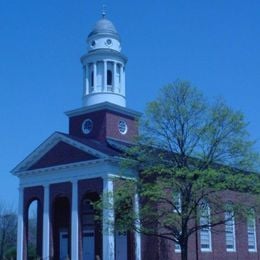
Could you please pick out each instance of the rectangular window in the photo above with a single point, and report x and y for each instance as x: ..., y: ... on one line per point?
x: 177, y: 202
x: 251, y: 233
x: 205, y: 231
x: 177, y: 248
x: 230, y: 231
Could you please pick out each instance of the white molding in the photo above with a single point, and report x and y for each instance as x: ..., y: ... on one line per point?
x: 108, y: 221
x: 103, y: 106
x: 74, y: 222
x: 47, y: 145
x: 20, y: 226
x: 77, y: 171
x: 46, y: 223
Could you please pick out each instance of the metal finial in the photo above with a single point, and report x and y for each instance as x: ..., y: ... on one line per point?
x: 103, y: 11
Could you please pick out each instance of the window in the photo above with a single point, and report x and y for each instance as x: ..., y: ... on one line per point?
x: 177, y: 248
x: 92, y: 81
x: 251, y: 232
x: 230, y: 231
x: 205, y: 231
x: 109, y: 77
x: 177, y: 202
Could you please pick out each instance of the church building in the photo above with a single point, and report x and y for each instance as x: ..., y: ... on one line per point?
x: 67, y: 172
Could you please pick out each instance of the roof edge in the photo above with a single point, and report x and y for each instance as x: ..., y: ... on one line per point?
x: 103, y: 106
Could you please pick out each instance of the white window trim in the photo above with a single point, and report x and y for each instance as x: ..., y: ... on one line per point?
x: 177, y: 248
x: 177, y: 202
x: 252, y: 218
x: 232, y: 223
x: 208, y: 229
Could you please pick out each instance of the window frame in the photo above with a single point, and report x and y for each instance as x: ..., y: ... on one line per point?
x: 205, y: 220
x: 230, y: 230
x: 251, y: 218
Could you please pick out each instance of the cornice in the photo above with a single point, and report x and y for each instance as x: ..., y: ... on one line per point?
x: 103, y: 106
x: 49, y: 144
x: 65, y: 166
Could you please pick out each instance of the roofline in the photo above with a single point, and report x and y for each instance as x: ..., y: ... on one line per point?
x: 50, y: 142
x: 104, y: 51
x: 103, y: 106
x: 65, y: 166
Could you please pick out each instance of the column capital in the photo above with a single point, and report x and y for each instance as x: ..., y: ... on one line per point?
x: 20, y: 188
x: 74, y: 182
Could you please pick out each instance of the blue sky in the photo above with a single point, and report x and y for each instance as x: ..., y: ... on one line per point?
x: 214, y: 44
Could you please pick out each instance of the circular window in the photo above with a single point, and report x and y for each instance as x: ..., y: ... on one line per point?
x: 93, y: 43
x: 108, y: 42
x: 87, y: 126
x: 122, y: 127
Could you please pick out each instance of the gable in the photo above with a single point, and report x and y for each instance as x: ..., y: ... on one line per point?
x: 61, y: 153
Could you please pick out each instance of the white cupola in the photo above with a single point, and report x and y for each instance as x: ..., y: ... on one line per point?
x: 104, y: 66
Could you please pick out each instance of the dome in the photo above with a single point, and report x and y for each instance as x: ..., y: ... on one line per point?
x: 104, y: 27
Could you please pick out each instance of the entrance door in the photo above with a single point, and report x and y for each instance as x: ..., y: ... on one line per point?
x: 88, y: 244
x: 121, y: 246
x: 64, y: 245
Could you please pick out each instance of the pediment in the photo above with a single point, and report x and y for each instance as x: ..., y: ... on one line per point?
x: 62, y: 153
x: 58, y: 149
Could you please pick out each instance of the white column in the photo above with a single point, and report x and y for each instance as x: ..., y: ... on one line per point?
x: 94, y: 77
x: 108, y: 221
x: 20, y: 227
x: 86, y: 79
x: 114, y: 83
x: 121, y: 79
x: 105, y: 76
x: 46, y: 224
x: 137, y: 226
x: 74, y: 222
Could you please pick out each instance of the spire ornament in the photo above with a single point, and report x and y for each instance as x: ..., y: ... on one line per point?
x: 103, y: 13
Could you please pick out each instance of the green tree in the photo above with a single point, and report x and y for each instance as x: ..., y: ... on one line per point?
x: 188, y: 154
x: 8, y: 225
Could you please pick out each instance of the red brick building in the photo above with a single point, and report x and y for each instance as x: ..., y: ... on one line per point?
x: 68, y: 171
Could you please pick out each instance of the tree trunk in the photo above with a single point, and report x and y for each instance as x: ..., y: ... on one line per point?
x: 184, y: 250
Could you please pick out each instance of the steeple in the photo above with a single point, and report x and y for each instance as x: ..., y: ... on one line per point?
x: 104, y: 66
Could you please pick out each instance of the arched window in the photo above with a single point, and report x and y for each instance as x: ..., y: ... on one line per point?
x: 109, y: 77
x: 32, y: 245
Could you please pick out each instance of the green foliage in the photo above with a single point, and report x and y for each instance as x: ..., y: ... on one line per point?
x: 10, y: 253
x: 190, y: 153
x: 8, y: 224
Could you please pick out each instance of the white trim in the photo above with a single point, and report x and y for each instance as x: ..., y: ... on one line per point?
x: 108, y: 221
x: 74, y: 222
x: 60, y: 167
x: 230, y: 231
x: 46, y: 223
x: 47, y: 145
x: 82, y: 171
x: 205, y: 233
x: 177, y: 202
x: 20, y: 227
x: 177, y: 248
x: 251, y: 234
x: 103, y: 106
